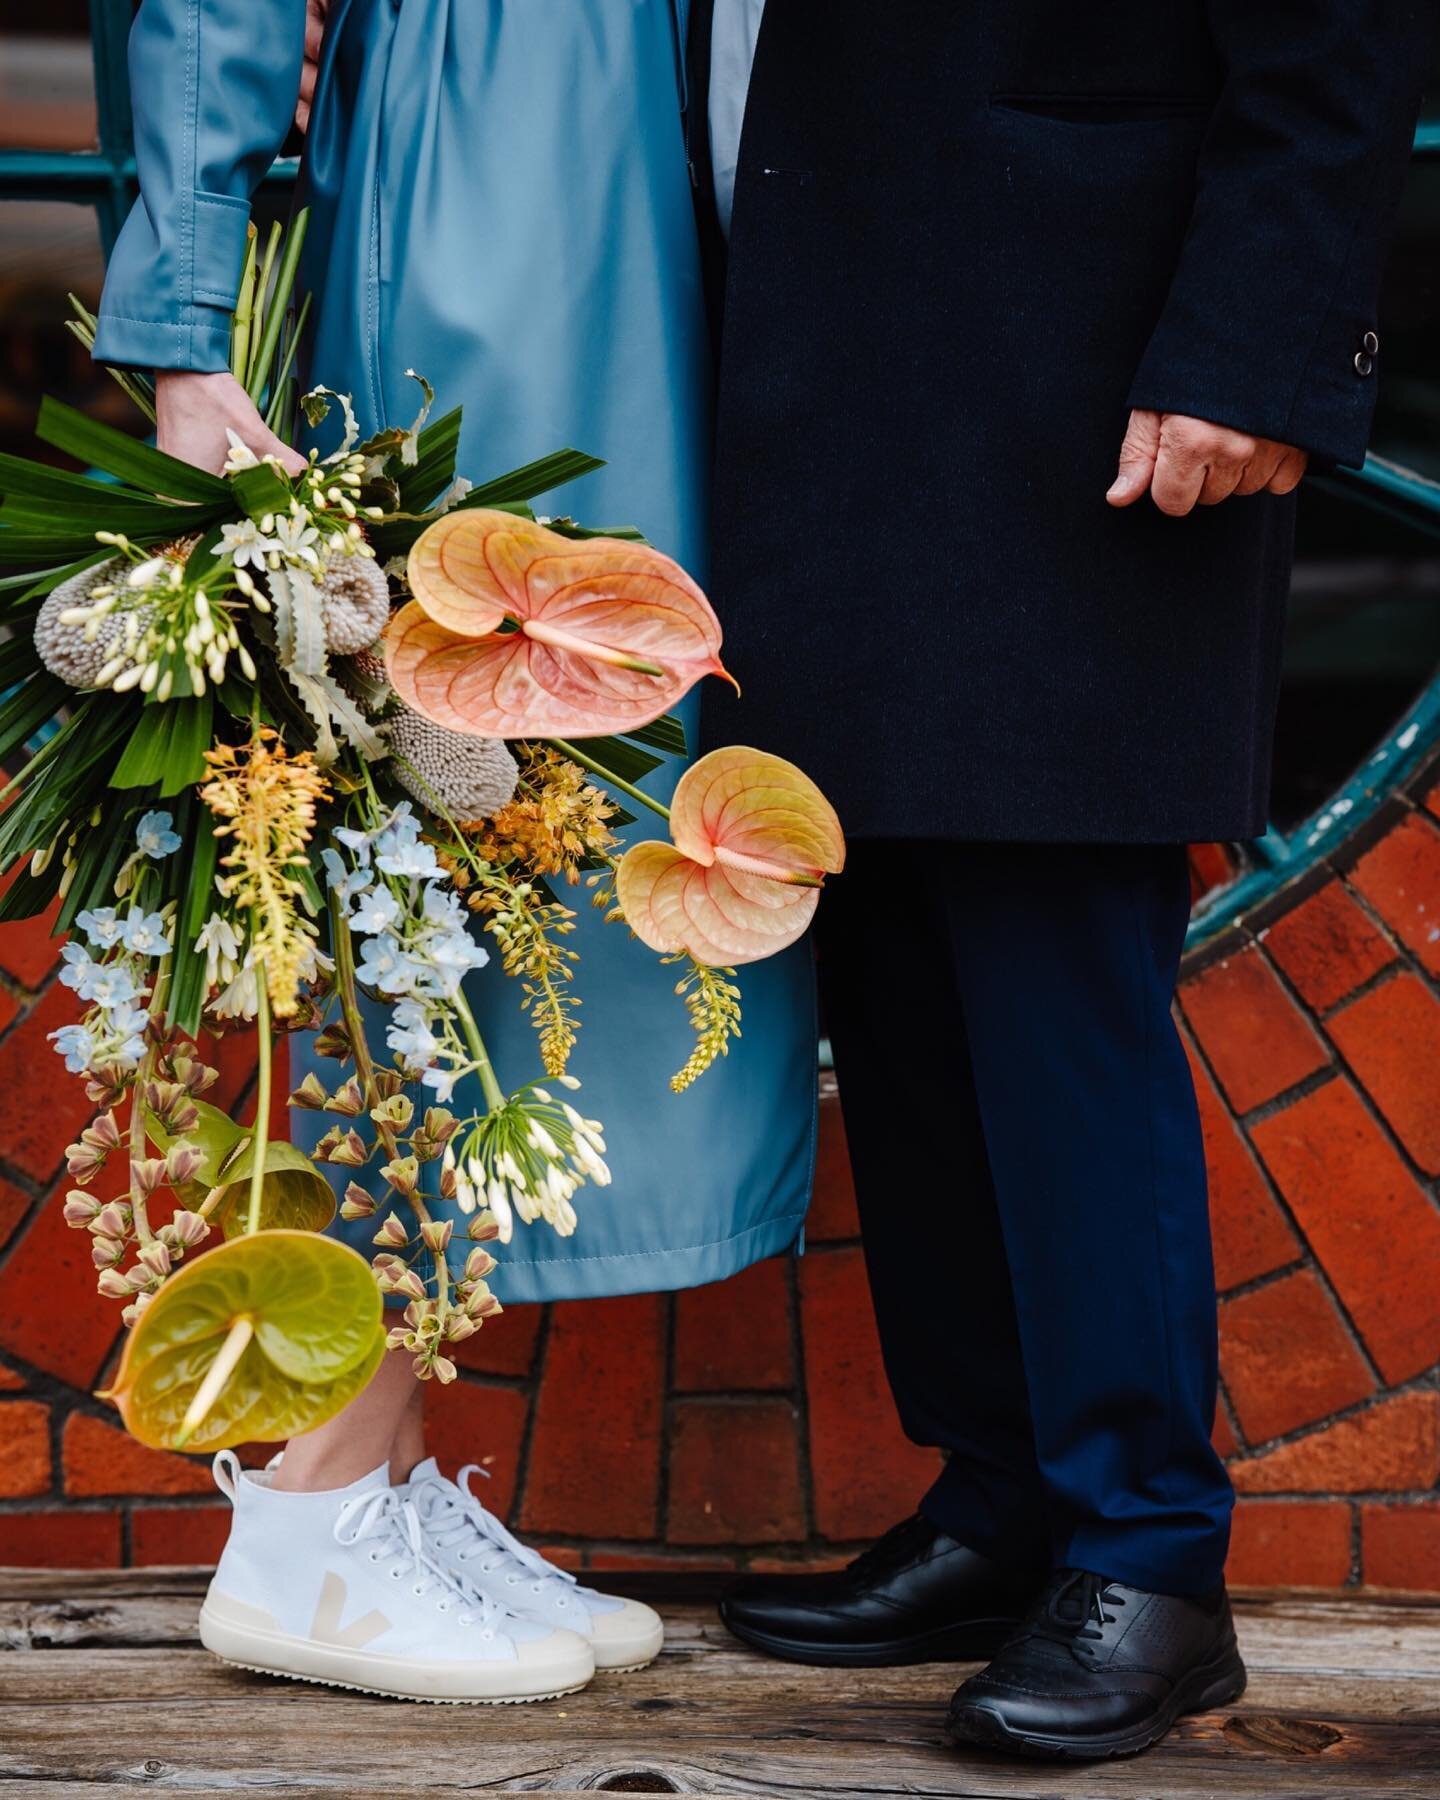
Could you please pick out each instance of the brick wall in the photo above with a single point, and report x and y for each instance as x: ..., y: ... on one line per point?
x: 748, y: 1424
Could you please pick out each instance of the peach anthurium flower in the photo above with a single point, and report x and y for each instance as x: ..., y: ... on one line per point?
x: 753, y: 840
x: 516, y: 631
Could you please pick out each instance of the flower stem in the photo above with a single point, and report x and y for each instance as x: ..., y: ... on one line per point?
x: 609, y: 777
x: 260, y: 1141
x: 490, y: 1086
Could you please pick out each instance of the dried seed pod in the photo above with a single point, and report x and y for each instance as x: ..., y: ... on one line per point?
x: 355, y: 604
x: 66, y: 650
x: 472, y: 777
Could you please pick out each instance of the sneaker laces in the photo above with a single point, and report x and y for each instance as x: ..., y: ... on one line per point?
x: 451, y: 1519
x: 394, y: 1525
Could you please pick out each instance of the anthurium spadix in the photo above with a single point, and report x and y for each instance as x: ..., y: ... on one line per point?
x: 516, y: 631
x: 753, y: 839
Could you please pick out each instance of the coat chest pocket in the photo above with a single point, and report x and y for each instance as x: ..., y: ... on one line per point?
x: 1106, y: 110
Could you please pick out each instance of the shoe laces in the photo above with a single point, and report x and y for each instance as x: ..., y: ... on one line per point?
x: 1073, y: 1611
x: 453, y: 1518
x: 896, y: 1545
x: 391, y: 1526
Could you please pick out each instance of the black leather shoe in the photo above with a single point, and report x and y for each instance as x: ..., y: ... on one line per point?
x: 1100, y: 1669
x: 915, y: 1596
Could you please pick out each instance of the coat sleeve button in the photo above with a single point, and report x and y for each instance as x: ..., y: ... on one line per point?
x: 1370, y: 344
x: 1363, y: 363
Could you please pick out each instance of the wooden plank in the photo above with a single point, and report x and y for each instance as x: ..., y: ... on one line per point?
x: 46, y: 1677
x: 181, y: 1718
x: 111, y: 1692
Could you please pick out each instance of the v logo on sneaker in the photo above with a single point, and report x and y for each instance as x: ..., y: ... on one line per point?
x: 325, y: 1627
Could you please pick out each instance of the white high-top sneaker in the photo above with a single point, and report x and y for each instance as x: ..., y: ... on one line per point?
x: 338, y: 1588
x: 474, y: 1546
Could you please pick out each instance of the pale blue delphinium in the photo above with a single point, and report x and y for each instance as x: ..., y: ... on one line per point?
x: 76, y: 1045
x: 156, y: 836
x: 102, y: 925
x: 410, y: 1037
x: 78, y: 963
x: 376, y: 910
x: 143, y: 934
x: 384, y: 965
x: 107, y: 985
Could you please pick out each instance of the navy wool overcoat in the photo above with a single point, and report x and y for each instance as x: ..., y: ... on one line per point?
x: 967, y: 239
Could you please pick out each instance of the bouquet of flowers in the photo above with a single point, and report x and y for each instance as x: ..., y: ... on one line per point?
x: 280, y: 742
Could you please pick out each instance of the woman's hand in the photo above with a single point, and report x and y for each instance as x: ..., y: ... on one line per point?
x: 193, y: 414
x: 315, y: 11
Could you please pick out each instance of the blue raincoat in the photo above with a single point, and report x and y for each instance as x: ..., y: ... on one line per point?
x: 500, y: 200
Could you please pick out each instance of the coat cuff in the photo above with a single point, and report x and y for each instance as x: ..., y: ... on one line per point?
x: 201, y: 342
x: 1328, y: 415
x: 172, y: 284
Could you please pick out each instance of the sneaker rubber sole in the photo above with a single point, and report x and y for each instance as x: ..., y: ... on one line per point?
x: 1216, y: 1683
x: 479, y: 1683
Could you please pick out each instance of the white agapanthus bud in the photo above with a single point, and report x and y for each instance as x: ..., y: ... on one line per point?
x: 65, y: 649
x: 472, y: 777
x: 355, y: 604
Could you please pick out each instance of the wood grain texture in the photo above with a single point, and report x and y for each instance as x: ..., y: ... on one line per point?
x: 105, y: 1688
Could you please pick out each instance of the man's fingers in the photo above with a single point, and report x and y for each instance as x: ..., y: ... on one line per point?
x: 1137, y: 459
x: 1289, y: 474
x: 1220, y: 482
x: 1178, y: 480
x: 1255, y: 476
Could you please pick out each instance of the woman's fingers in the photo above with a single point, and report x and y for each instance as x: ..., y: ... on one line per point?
x: 195, y: 414
x: 314, y: 37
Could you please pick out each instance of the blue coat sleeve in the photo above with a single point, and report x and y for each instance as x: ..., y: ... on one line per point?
x: 214, y: 84
x: 1271, y: 318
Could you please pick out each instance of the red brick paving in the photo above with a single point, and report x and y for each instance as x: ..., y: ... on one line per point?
x: 1391, y: 1039
x: 1400, y: 877
x: 736, y: 1334
x: 1257, y: 1040
x: 1373, y: 1228
x: 867, y: 1474
x: 1393, y: 1445
x: 100, y: 1458
x: 735, y: 1474
x: 1290, y: 1543
x: 1287, y: 1358
x: 1328, y: 946
x: 25, y: 1435
x: 177, y: 1534
x: 1400, y: 1546
x: 60, y: 1539
x: 474, y: 1422
x: 595, y: 1460
x: 1252, y: 1236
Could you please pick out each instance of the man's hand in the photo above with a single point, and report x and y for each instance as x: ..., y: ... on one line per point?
x: 193, y: 413
x: 1181, y: 461
x: 314, y: 34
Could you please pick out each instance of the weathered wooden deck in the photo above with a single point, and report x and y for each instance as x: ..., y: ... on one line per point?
x: 103, y: 1686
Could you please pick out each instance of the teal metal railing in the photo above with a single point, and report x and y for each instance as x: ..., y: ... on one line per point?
x: 104, y: 177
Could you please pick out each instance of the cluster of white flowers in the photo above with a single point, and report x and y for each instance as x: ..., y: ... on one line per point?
x: 159, y: 624
x: 416, y: 949
x: 111, y: 969
x: 528, y: 1157
x: 237, y: 975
